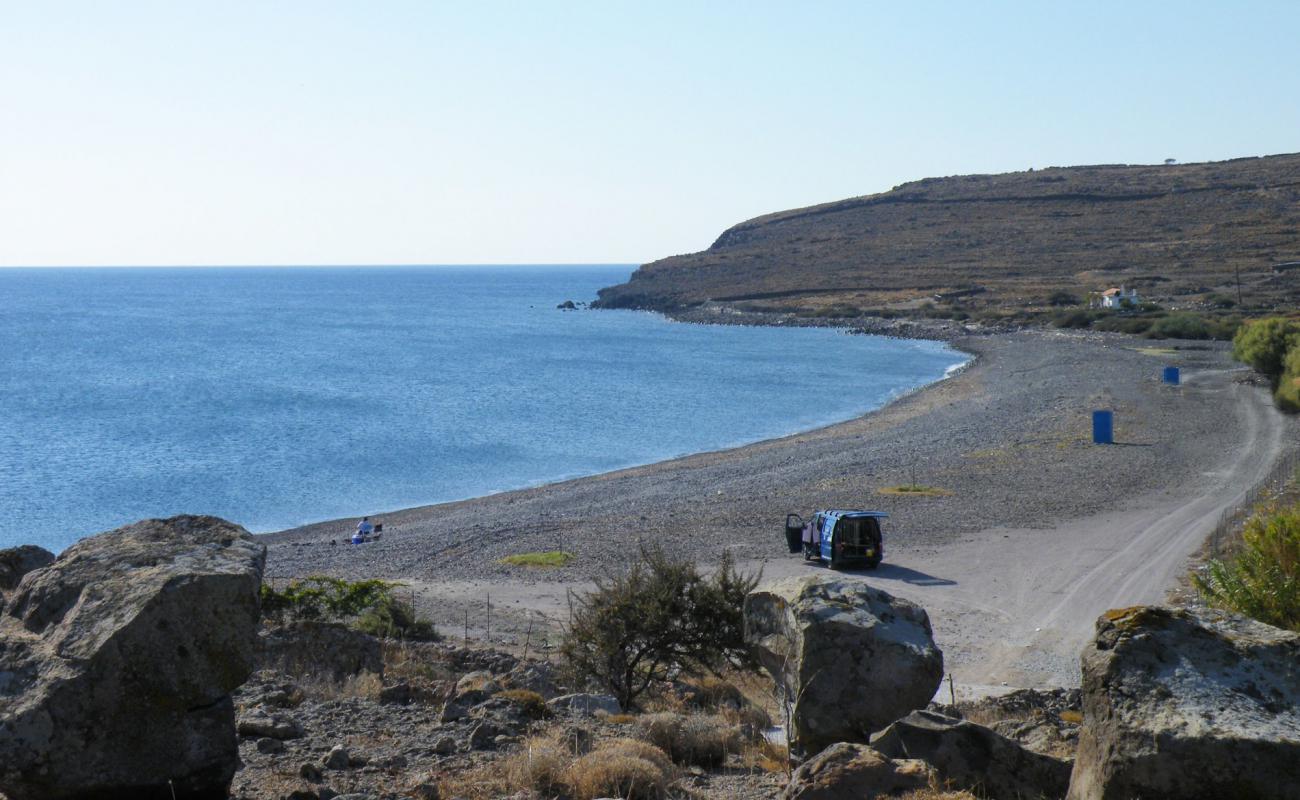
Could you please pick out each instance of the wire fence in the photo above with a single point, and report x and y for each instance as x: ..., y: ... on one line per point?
x: 1234, y: 517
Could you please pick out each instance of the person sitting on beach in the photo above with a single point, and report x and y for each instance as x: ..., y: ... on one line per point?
x: 363, y: 531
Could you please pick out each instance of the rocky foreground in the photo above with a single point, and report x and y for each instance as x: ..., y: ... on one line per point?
x: 135, y: 665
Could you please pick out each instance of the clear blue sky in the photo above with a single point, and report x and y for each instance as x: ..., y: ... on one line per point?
x: 423, y: 132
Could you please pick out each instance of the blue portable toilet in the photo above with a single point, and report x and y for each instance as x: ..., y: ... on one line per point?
x: 1172, y: 376
x: 1103, y: 427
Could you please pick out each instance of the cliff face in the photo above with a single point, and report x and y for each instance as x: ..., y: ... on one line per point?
x: 1171, y: 230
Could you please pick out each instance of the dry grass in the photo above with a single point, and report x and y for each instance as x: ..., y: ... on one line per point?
x: 404, y: 661
x: 1072, y: 716
x: 765, y: 756
x: 617, y: 774
x: 362, y: 686
x: 483, y: 782
x: 701, y: 739
x: 540, y: 765
x: 549, y: 765
x: 528, y: 701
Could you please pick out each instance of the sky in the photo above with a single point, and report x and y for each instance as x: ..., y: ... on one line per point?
x: 279, y: 132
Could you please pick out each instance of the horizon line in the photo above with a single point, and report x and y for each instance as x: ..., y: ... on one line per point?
x: 330, y: 266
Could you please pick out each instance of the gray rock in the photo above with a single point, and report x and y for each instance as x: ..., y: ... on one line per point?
x: 15, y: 562
x: 269, y: 745
x: 852, y: 659
x: 480, y: 684
x: 310, y: 772
x: 320, y: 649
x: 424, y: 791
x: 538, y: 678
x: 120, y: 658
x: 337, y: 758
x: 846, y: 771
x: 452, y: 711
x: 483, y: 736
x: 1182, y: 704
x: 973, y: 757
x: 584, y: 705
x: 444, y: 746
x: 272, y: 726
x: 397, y: 694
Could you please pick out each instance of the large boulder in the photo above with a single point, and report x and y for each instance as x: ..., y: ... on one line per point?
x: 117, y: 662
x: 970, y: 756
x: 15, y: 562
x: 848, y: 658
x: 1182, y: 704
x: 316, y: 649
x: 847, y: 771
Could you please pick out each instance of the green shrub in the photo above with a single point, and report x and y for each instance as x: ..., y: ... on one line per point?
x: 658, y: 617
x: 1119, y: 323
x: 370, y: 606
x: 1075, y: 318
x: 1263, y: 581
x: 1180, y: 326
x: 1263, y: 344
x: 1064, y: 298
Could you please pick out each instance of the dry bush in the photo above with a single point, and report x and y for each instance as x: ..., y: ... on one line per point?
x: 617, y: 772
x: 700, y: 739
x: 540, y: 765
x: 711, y: 693
x: 639, y: 749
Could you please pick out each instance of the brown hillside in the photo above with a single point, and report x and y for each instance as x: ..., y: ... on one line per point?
x: 1174, y: 232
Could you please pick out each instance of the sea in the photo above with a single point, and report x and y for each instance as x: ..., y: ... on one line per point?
x: 275, y: 397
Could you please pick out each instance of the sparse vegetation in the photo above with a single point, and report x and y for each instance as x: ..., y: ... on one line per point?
x: 914, y: 490
x: 550, y: 558
x: 1261, y: 581
x: 658, y: 617
x: 1064, y: 298
x: 371, y: 606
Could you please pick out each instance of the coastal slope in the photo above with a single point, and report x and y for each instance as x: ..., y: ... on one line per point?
x: 1183, y: 231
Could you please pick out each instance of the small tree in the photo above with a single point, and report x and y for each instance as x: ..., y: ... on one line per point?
x: 1263, y: 344
x: 659, y: 616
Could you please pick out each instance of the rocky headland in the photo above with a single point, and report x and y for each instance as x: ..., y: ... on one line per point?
x: 1181, y: 233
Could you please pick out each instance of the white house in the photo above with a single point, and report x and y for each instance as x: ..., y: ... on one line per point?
x: 1118, y: 298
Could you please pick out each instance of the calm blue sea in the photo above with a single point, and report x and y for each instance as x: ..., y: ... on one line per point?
x: 276, y: 397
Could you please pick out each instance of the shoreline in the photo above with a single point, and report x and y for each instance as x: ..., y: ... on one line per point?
x: 740, y: 318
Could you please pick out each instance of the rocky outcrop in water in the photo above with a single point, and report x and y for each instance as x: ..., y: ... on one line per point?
x: 850, y: 659
x: 1181, y: 704
x: 117, y: 661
